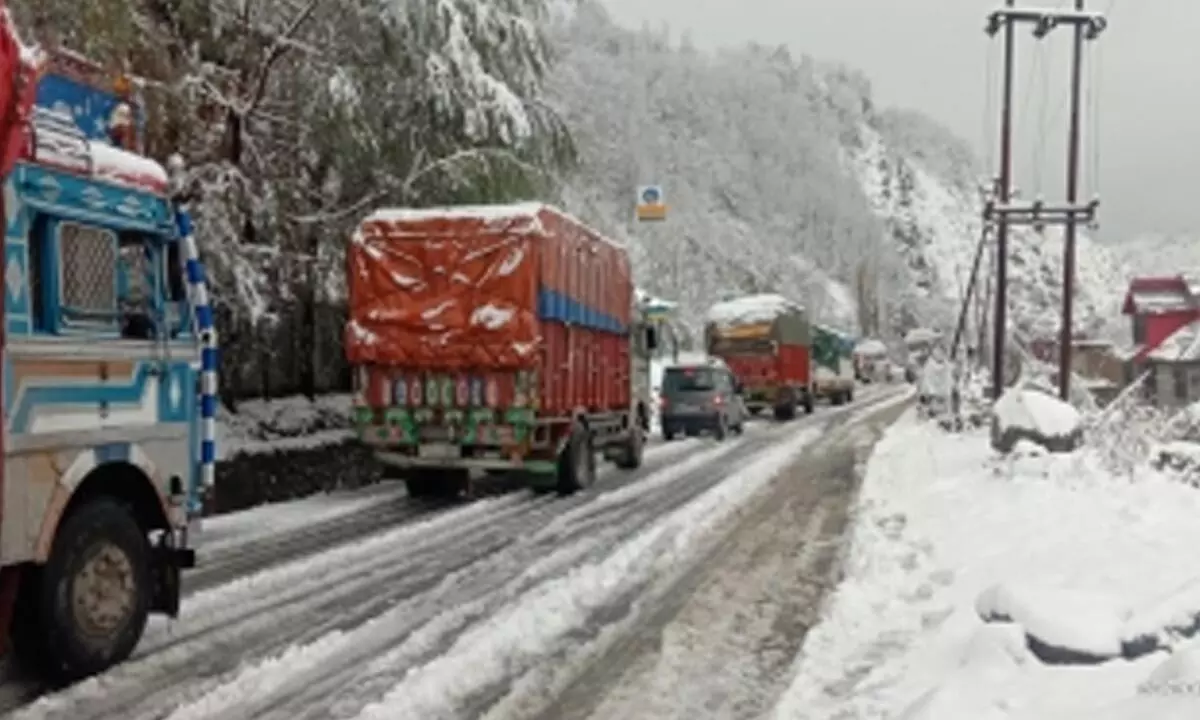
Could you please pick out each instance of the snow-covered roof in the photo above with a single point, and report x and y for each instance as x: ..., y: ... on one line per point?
x: 1183, y: 345
x: 692, y: 359
x: 499, y: 214
x: 1150, y: 301
x: 126, y: 168
x: 750, y: 309
x: 647, y: 300
x: 871, y: 347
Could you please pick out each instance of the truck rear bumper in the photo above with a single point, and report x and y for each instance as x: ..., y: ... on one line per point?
x: 400, y: 460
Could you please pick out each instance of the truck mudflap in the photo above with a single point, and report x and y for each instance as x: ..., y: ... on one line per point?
x: 168, y: 561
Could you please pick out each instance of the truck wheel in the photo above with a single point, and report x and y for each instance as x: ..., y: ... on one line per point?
x: 89, y: 602
x: 577, y: 464
x: 786, y: 412
x: 631, y: 453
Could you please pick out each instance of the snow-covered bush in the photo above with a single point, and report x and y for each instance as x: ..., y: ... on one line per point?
x: 1029, y: 414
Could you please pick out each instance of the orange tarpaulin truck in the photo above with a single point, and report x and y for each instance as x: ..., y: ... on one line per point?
x: 495, y: 338
x: 766, y: 340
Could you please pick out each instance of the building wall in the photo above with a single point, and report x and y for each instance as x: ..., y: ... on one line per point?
x: 1176, y: 384
x: 1160, y: 326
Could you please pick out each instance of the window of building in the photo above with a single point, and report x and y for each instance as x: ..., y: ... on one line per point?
x: 1139, y: 330
x: 1181, y: 382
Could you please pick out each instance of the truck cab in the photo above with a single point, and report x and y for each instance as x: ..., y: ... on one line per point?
x: 105, y: 448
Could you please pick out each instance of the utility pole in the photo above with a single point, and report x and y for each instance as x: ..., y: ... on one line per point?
x: 985, y: 194
x: 1088, y: 25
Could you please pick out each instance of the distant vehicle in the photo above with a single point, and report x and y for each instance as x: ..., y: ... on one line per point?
x: 765, y: 340
x: 833, y: 356
x: 495, y: 338
x: 702, y: 397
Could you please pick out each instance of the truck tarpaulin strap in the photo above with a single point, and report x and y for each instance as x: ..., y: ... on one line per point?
x: 19, y: 68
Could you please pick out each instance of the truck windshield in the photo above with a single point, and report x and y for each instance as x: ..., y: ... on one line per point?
x: 741, y: 346
x: 688, y: 380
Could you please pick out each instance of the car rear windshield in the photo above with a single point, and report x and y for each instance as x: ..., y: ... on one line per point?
x: 689, y: 379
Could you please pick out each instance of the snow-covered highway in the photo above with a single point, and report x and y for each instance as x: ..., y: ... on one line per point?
x: 685, y: 586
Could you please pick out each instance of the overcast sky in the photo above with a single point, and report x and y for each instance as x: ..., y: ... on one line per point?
x: 932, y: 55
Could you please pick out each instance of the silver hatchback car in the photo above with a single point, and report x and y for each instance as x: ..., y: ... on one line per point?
x: 701, y: 398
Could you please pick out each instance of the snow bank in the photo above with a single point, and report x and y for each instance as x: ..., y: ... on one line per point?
x: 750, y: 309
x: 1068, y: 625
x: 262, y: 426
x: 941, y: 524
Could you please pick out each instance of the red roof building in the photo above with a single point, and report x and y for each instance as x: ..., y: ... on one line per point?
x: 1159, y: 307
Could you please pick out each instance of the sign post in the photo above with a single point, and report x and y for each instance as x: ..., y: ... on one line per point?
x: 651, y: 204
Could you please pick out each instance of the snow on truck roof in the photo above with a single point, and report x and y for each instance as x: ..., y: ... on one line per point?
x: 500, y: 215
x: 751, y: 309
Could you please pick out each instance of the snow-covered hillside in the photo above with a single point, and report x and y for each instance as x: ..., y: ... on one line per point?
x: 782, y: 175
x: 1159, y: 254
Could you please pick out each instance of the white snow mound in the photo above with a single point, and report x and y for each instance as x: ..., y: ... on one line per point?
x: 1088, y: 623
x: 1036, y: 412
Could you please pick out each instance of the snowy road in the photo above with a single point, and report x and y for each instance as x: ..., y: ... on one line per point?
x: 505, y: 607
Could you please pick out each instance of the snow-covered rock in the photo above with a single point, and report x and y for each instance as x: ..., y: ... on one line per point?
x: 1061, y: 625
x: 1029, y: 414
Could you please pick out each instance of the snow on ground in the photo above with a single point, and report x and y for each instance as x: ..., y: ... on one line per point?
x: 944, y: 530
x: 542, y: 617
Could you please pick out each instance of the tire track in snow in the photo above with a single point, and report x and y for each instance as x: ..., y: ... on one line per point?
x: 393, y: 507
x: 721, y: 641
x: 335, y: 676
x: 262, y: 614
x: 311, y: 688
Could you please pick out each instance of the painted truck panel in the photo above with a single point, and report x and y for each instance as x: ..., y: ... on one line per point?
x: 103, y: 330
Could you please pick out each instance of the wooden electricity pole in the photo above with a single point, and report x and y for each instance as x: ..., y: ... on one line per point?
x: 1087, y: 25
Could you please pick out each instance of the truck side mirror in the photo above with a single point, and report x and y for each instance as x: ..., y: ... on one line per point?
x: 651, y: 338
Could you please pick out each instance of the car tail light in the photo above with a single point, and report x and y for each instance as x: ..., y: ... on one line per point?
x: 718, y: 400
x: 662, y: 402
